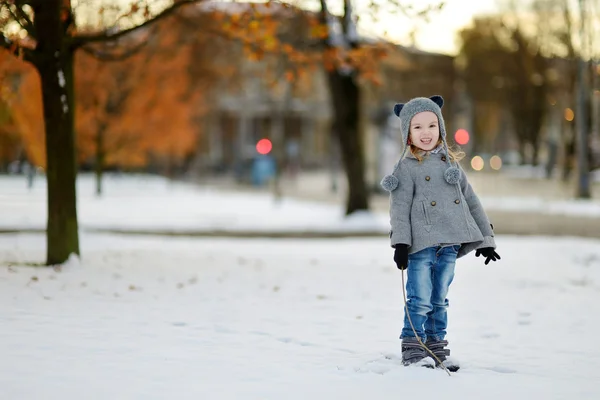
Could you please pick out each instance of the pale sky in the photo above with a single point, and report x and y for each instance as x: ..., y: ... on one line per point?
x: 439, y: 35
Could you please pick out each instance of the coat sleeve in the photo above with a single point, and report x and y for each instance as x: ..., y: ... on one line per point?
x: 401, y: 200
x: 477, y: 211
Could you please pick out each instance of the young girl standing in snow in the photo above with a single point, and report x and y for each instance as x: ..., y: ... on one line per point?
x: 435, y: 218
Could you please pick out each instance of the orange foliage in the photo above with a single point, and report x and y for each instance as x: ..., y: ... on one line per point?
x: 147, y: 104
x: 9, y: 139
x: 151, y: 103
x: 295, y: 37
x: 21, y: 94
x: 29, y: 117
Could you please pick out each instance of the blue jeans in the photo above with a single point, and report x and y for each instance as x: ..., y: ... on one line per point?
x: 430, y: 272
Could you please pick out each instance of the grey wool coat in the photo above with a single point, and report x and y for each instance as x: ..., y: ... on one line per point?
x: 426, y: 210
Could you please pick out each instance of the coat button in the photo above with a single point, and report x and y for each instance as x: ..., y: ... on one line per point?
x: 433, y: 203
x: 457, y: 201
x: 427, y: 178
x: 443, y: 158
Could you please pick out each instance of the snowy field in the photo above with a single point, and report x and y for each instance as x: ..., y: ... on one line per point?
x: 539, y: 205
x: 180, y: 318
x: 144, y: 202
x: 148, y: 203
x: 539, y: 172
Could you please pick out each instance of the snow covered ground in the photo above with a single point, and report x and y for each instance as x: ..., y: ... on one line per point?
x: 153, y: 203
x: 181, y: 318
x: 539, y: 172
x: 574, y: 207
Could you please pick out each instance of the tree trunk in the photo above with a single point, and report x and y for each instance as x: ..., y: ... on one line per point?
x: 100, y: 158
x: 552, y: 158
x: 55, y: 66
x: 535, y: 154
x: 277, y: 140
x: 569, y: 158
x: 346, y: 106
x: 522, y: 153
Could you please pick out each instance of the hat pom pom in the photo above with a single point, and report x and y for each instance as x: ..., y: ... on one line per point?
x: 452, y: 175
x: 389, y: 183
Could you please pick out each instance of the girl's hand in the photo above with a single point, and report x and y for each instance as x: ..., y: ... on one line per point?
x: 489, y: 253
x: 401, y: 256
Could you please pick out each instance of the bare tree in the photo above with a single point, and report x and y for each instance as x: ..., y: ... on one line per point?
x: 345, y: 90
x: 570, y: 30
x: 505, y: 67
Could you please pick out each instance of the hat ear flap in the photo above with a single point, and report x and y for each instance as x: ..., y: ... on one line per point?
x: 439, y: 100
x: 397, y: 108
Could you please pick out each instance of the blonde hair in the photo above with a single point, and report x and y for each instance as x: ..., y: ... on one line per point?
x: 455, y: 154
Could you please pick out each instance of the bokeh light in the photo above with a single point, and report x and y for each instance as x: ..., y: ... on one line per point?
x: 496, y: 162
x: 461, y: 136
x: 264, y: 146
x: 477, y: 163
x: 569, y: 114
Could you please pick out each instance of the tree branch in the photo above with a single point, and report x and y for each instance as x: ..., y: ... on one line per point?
x: 16, y: 50
x: 568, y: 38
x: 409, y: 11
x: 81, y: 40
x: 324, y: 20
x: 122, y: 142
x: 108, y: 56
x: 18, y: 15
x: 191, y: 23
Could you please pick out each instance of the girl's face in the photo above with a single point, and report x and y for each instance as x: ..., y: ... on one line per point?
x: 425, y: 130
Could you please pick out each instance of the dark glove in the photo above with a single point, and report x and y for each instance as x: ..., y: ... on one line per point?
x: 489, y: 253
x: 401, y: 256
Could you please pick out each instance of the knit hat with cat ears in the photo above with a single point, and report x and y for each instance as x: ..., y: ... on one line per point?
x: 406, y: 112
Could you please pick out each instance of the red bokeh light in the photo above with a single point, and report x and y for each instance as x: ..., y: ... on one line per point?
x: 264, y: 146
x: 461, y: 136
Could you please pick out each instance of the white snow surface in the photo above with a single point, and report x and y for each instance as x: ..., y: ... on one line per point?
x: 539, y: 205
x: 142, y: 202
x: 181, y: 318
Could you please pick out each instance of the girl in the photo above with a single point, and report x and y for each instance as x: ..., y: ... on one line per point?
x: 435, y: 218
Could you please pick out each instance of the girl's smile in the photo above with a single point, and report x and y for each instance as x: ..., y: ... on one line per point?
x: 425, y: 130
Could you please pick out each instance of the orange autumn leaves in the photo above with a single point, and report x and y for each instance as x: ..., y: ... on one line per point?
x: 22, y: 115
x: 145, y: 105
x: 151, y: 104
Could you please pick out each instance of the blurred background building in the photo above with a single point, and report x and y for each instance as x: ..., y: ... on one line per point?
x: 195, y: 103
